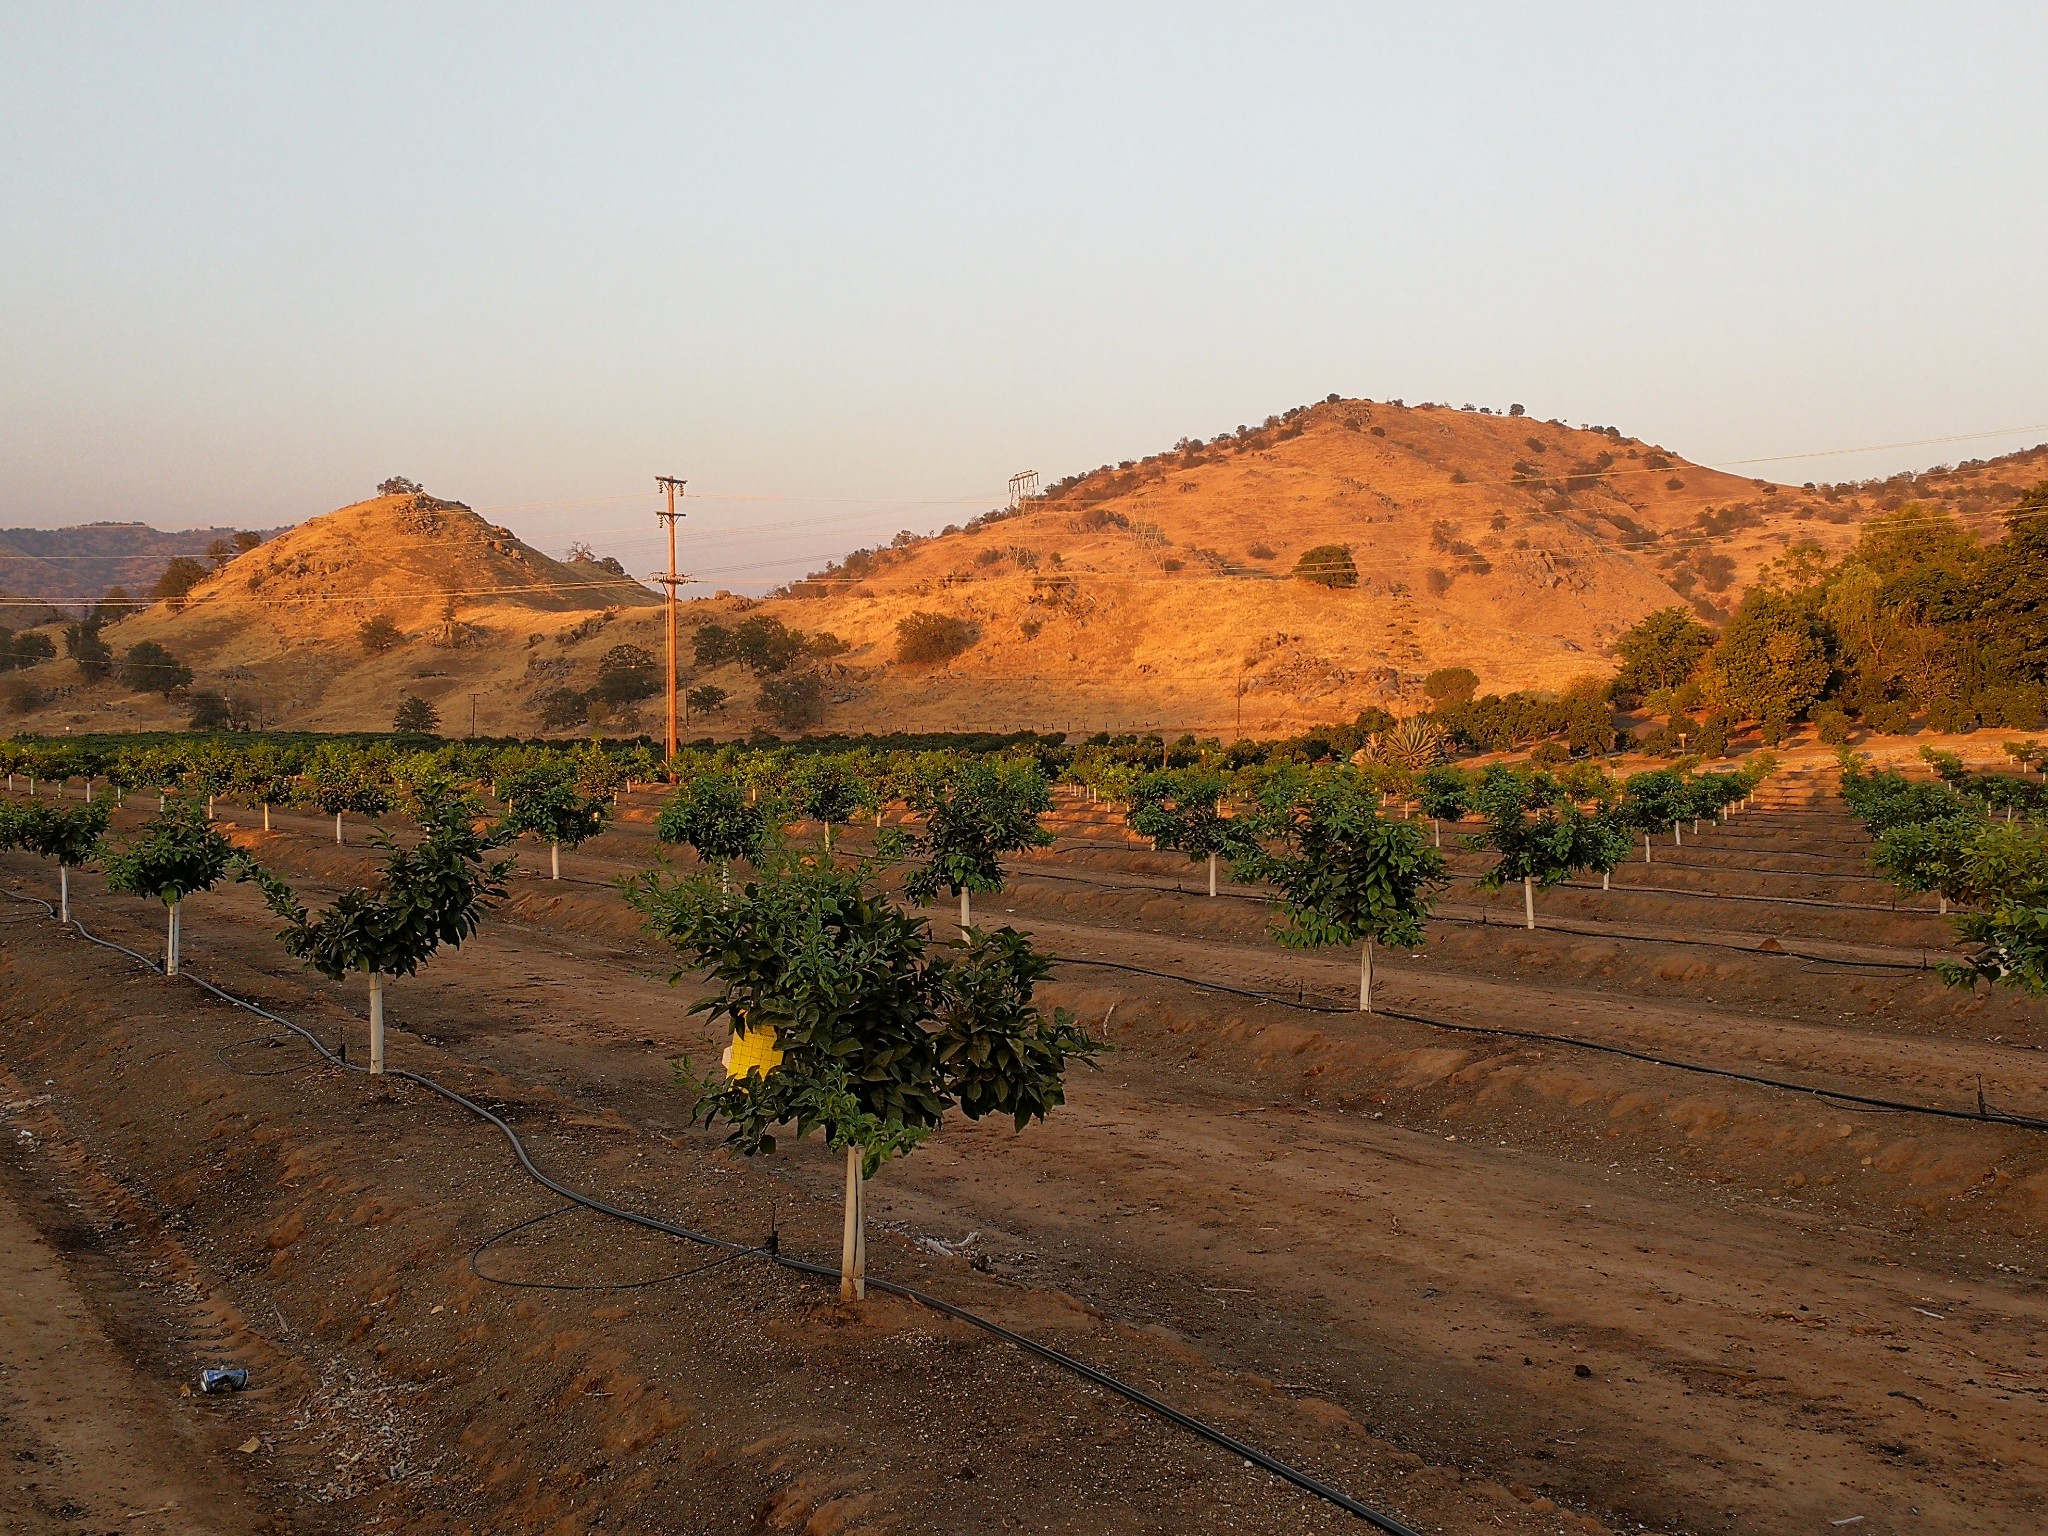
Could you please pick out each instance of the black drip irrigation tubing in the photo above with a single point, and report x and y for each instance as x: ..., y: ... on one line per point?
x: 772, y: 1253
x: 1891, y: 1106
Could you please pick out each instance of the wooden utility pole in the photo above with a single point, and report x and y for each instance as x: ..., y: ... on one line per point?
x: 672, y: 579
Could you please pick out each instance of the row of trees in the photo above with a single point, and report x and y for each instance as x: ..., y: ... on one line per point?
x: 1977, y: 841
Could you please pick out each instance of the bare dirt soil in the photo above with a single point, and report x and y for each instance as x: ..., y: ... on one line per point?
x: 1481, y: 1281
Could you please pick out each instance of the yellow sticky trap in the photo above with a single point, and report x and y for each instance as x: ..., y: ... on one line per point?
x: 752, y: 1050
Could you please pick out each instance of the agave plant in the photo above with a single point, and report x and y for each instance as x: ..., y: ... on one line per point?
x: 1416, y: 743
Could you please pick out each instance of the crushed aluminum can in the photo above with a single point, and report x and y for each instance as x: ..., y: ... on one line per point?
x: 229, y: 1378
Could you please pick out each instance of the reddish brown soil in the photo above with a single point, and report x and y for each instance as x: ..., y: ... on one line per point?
x: 1485, y: 1283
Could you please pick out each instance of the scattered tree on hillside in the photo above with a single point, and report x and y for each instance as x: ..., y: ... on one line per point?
x: 415, y: 717
x: 1450, y: 685
x: 436, y: 892
x: 398, y: 485
x: 562, y: 708
x: 150, y: 668
x: 176, y: 855
x: 1327, y: 565
x: 845, y: 1020
x: 706, y: 698
x: 794, y: 701
x: 24, y: 649
x: 379, y: 634
x: 626, y: 674
x: 82, y: 643
x: 926, y: 639
x: 179, y: 578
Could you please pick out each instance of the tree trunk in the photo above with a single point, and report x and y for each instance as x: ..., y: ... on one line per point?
x: 725, y: 877
x: 1646, y: 847
x: 1529, y: 900
x: 88, y: 792
x: 853, y: 1279
x: 1676, y: 840
x: 337, y: 829
x: 966, y: 908
x: 1438, y: 828
x: 1365, y: 978
x: 159, y: 801
x: 554, y: 861
x: 1695, y: 826
x: 377, y: 1023
x: 1212, y: 874
x: 63, y: 893
x: 266, y: 815
x: 209, y: 807
x: 171, y: 943
x: 1605, y: 876
x: 1943, y: 899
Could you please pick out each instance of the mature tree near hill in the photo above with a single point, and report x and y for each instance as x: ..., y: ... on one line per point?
x: 2011, y: 592
x: 1662, y: 650
x: 1346, y: 875
x: 1772, y: 662
x: 379, y: 634
x: 415, y: 717
x: 177, y: 855
x: 151, y: 668
x: 1450, y: 685
x: 82, y: 643
x: 846, y: 1019
x: 24, y: 649
x: 707, y: 698
x: 179, y: 578
x: 1327, y: 565
x: 434, y: 893
x: 794, y: 701
x: 626, y: 674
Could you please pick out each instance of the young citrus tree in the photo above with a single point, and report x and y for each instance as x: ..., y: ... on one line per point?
x: 545, y: 801
x: 1179, y: 809
x: 828, y: 790
x: 710, y: 811
x: 2005, y: 880
x: 434, y: 893
x: 263, y: 777
x: 979, y: 812
x: 1346, y: 875
x: 1540, y: 838
x: 1930, y: 855
x: 847, y: 1019
x: 1653, y: 801
x: 1445, y: 794
x: 70, y: 835
x: 178, y: 853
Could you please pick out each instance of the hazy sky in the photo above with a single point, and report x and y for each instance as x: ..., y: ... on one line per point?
x: 847, y: 267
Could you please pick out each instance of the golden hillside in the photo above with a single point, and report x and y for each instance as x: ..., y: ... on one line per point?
x: 1153, y: 594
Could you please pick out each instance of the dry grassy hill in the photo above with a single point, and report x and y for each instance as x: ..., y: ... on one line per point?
x: 1153, y: 594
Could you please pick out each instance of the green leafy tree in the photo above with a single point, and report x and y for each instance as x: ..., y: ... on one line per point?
x: 69, y: 834
x: 436, y: 892
x: 1772, y: 663
x: 1327, y: 565
x: 339, y: 782
x: 829, y: 790
x: 1450, y: 685
x: 2005, y: 879
x: 148, y: 667
x: 1662, y: 650
x: 1182, y: 810
x: 1346, y: 875
x: 711, y: 812
x: 263, y: 777
x: 177, y: 854
x: 544, y: 800
x: 415, y: 717
x: 1930, y: 855
x: 979, y: 812
x: 2010, y: 606
x: 873, y: 1034
x: 179, y: 578
x: 1539, y: 837
x: 795, y: 701
x: 626, y: 674
x: 1444, y: 794
x: 82, y: 643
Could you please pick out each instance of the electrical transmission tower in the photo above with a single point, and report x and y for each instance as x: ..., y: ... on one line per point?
x: 671, y: 579
x: 1023, y: 486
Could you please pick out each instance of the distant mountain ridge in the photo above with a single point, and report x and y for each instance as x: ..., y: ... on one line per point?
x: 76, y: 565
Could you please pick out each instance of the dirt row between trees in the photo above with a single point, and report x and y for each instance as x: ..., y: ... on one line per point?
x: 1348, y: 1234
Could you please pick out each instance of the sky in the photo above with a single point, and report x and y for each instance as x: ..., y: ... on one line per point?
x: 847, y: 268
